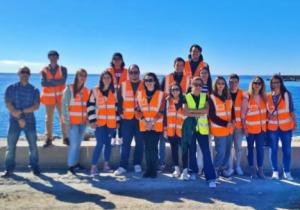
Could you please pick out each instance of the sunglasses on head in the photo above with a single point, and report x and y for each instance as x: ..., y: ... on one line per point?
x: 134, y: 72
x: 149, y: 80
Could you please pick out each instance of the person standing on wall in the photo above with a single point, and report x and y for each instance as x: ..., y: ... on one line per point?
x: 53, y: 82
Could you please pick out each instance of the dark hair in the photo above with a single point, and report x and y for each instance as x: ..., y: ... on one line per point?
x: 101, y: 84
x: 199, y: 48
x: 179, y: 59
x: 53, y: 52
x: 225, y: 92
x: 234, y: 76
x: 153, y: 75
x: 180, y: 90
x: 75, y: 83
x: 209, y: 80
x: 117, y: 54
x: 283, y: 89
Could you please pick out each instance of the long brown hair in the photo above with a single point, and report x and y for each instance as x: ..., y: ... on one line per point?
x: 75, y: 83
x: 225, y: 92
x: 283, y: 89
x: 262, y: 91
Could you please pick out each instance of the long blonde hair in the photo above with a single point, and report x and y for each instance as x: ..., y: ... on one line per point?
x: 262, y: 91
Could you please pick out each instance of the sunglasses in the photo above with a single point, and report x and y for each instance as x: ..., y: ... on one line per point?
x: 197, y: 85
x: 134, y: 72
x: 25, y: 72
x: 175, y: 89
x: 149, y: 80
x: 256, y: 83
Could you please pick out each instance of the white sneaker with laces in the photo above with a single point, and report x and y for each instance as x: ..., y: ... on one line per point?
x: 185, y: 175
x: 275, y: 175
x: 212, y: 184
x: 239, y: 171
x: 120, y: 171
x: 119, y: 141
x: 288, y: 176
x: 176, y: 172
x: 113, y: 141
x: 137, y: 169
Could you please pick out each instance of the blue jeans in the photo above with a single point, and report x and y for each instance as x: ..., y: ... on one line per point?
x: 14, y: 132
x: 286, y: 139
x: 258, y: 139
x: 223, y: 145
x: 162, y: 150
x: 75, y: 134
x: 130, y: 129
x: 208, y: 167
x: 103, y: 136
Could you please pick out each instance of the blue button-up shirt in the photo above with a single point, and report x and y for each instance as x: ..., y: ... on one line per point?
x: 22, y: 97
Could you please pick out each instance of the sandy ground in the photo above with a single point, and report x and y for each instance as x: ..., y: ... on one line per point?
x: 59, y: 190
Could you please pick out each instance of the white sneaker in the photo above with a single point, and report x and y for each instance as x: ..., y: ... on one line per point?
x: 228, y: 172
x: 185, y: 175
x: 137, y: 169
x: 275, y: 175
x: 119, y: 141
x: 120, y: 171
x: 113, y: 141
x: 176, y: 172
x: 212, y: 184
x: 288, y: 176
x: 239, y: 171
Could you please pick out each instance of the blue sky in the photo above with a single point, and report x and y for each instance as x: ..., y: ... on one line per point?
x: 246, y: 37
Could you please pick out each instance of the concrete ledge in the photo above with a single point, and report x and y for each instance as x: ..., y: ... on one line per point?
x: 55, y: 157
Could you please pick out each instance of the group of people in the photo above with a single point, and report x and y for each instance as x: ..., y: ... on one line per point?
x: 187, y: 110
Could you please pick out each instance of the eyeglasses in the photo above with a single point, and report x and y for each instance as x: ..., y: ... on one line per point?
x: 149, y: 80
x: 175, y: 89
x: 257, y: 83
x: 134, y: 72
x: 197, y: 85
x: 25, y: 72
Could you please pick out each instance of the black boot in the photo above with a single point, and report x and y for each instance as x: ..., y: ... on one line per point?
x: 66, y: 141
x: 47, y: 143
x: 7, y: 174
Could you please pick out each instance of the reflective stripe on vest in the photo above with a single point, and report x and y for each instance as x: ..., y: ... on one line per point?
x: 77, y: 106
x: 237, y: 109
x: 202, y: 122
x: 184, y: 83
x: 106, y: 108
x: 223, y: 111
x: 150, y: 110
x: 122, y: 79
x: 52, y: 95
x: 284, y: 119
x: 174, y: 119
x: 188, y: 69
x: 256, y: 116
x: 130, y: 100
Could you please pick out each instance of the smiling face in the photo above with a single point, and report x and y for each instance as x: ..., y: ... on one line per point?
x: 275, y: 84
x: 53, y: 58
x: 195, y: 54
x: 175, y: 91
x: 196, y: 87
x: 117, y: 61
x: 204, y: 75
x: 81, y: 78
x: 134, y: 74
x: 257, y: 85
x: 106, y: 79
x: 24, y: 74
x: 149, y: 83
x: 220, y: 85
x: 233, y: 84
x: 179, y: 67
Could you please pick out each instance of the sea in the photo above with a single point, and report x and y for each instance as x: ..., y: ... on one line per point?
x: 6, y: 79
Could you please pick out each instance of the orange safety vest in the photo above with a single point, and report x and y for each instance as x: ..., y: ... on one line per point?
x: 130, y: 100
x: 52, y: 95
x: 237, y: 109
x: 284, y: 119
x: 106, y: 108
x: 150, y: 110
x: 175, y: 119
x: 77, y: 106
x: 188, y: 69
x: 223, y: 111
x: 256, y: 116
x: 123, y: 77
x: 184, y: 84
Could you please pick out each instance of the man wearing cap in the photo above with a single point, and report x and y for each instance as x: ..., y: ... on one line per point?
x: 54, y: 79
x: 21, y: 99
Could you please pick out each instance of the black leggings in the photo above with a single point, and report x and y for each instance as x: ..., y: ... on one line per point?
x: 175, y: 143
x: 151, y: 139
